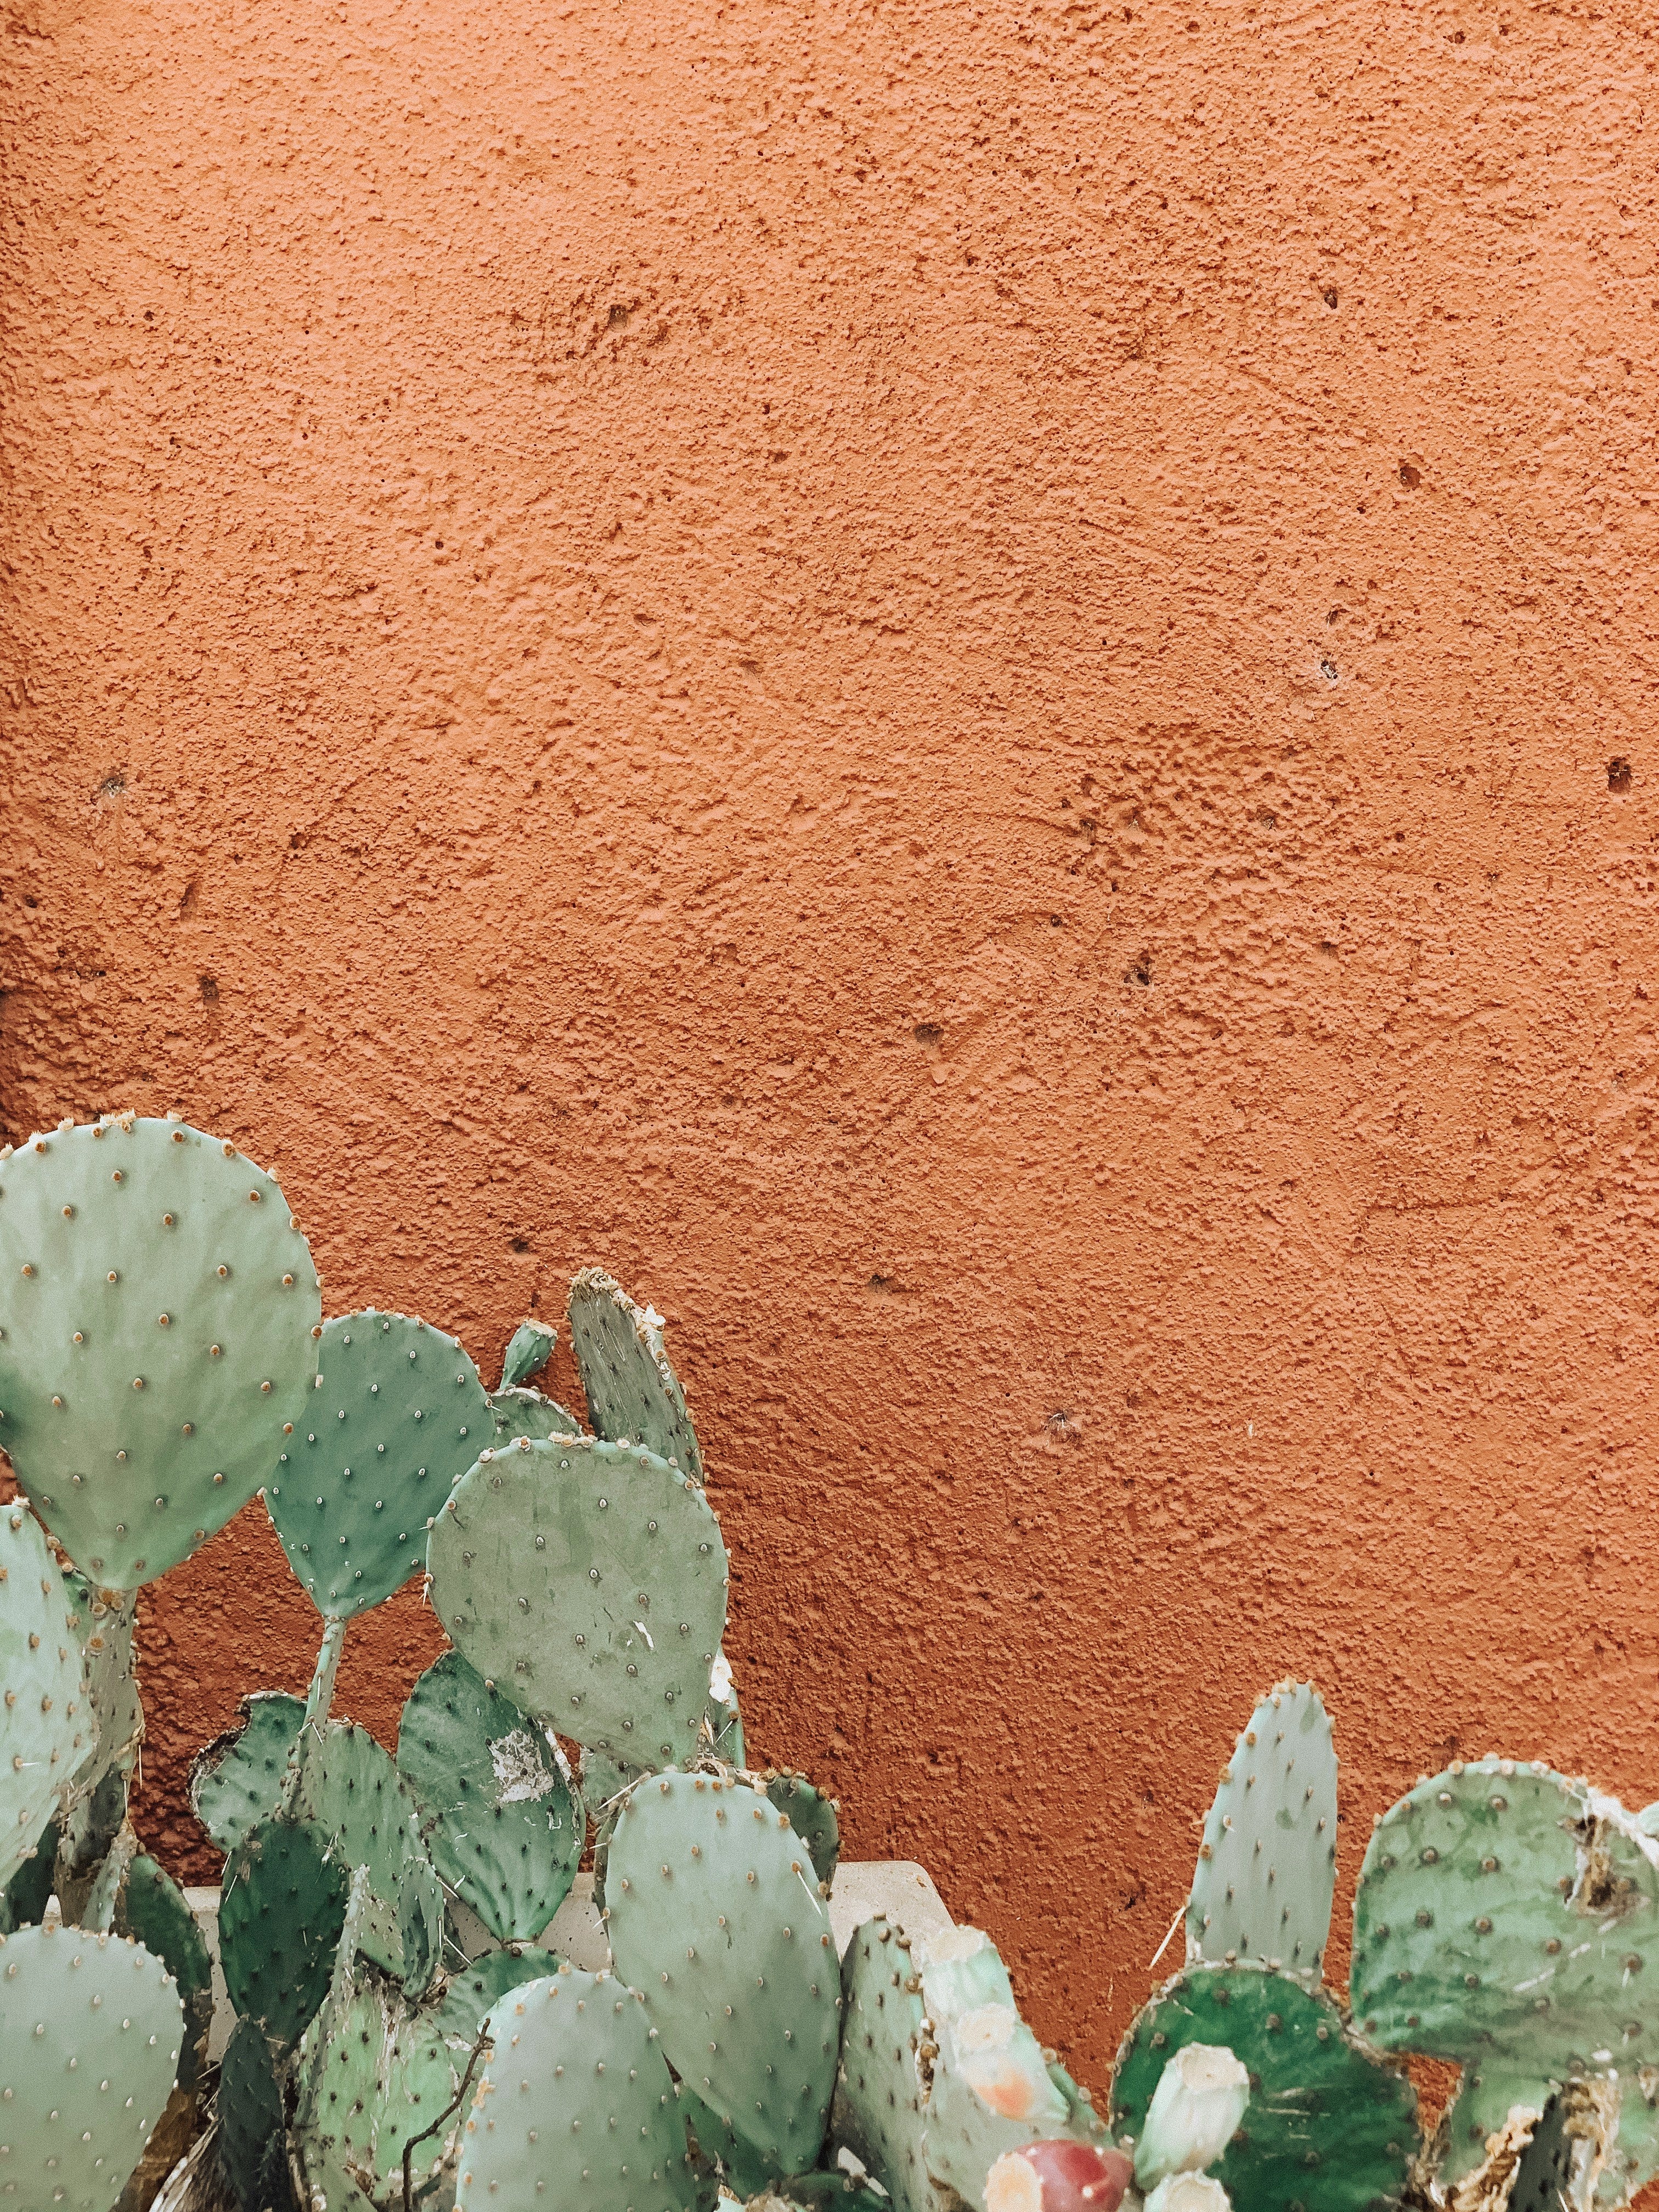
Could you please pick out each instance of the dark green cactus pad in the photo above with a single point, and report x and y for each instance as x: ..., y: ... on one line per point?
x: 349, y: 1787
x: 237, y: 1779
x: 824, y: 2192
x: 714, y: 1914
x: 527, y: 1353
x: 527, y: 1413
x: 253, y: 2143
x: 810, y: 1815
x: 576, y: 2109
x: 160, y: 1306
x: 46, y: 1728
x: 397, y: 1413
x: 1329, y: 2127
x: 881, y: 2084
x: 24, y: 1899
x: 588, y: 1581
x: 1266, y: 1866
x: 152, y: 1909
x: 719, y: 2156
x: 633, y: 1396
x: 89, y: 2029
x: 280, y: 1912
x: 502, y: 1819
x: 1508, y: 1918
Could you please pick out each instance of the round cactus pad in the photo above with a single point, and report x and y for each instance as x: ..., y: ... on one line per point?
x: 576, y: 2107
x: 90, y: 2032
x: 633, y: 1396
x: 399, y: 1412
x: 502, y: 1822
x: 1266, y: 1866
x: 238, y: 1777
x: 45, y: 1728
x: 588, y: 1581
x: 280, y: 1912
x: 1329, y: 2127
x: 716, y: 1915
x: 159, y: 1310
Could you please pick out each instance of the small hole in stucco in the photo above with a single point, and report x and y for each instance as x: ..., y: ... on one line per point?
x: 208, y: 987
x: 112, y: 785
x: 1327, y: 670
x: 1329, y: 296
x: 1621, y: 773
x: 1409, y: 476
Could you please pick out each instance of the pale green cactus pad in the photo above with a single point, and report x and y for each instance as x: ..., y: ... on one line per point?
x: 237, y: 1778
x: 527, y: 1413
x: 576, y: 2108
x: 722, y: 1735
x: 253, y: 2146
x: 45, y: 1727
x: 152, y: 1909
x: 714, y: 1914
x: 96, y: 1801
x: 502, y: 1819
x: 90, y: 2032
x: 633, y: 1396
x: 349, y: 1788
x: 1330, y: 2126
x: 881, y: 2087
x: 1508, y: 1918
x: 810, y: 1815
x: 588, y: 1581
x: 527, y: 1353
x: 399, y: 1412
x: 159, y: 1311
x: 281, y: 1911
x: 1266, y: 1866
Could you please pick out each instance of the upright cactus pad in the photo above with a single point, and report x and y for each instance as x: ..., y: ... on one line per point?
x: 281, y: 1911
x: 502, y: 1819
x: 237, y: 1779
x: 886, y: 2055
x: 45, y: 1728
x: 714, y: 1914
x: 159, y: 1311
x: 1266, y: 1866
x: 588, y: 1581
x: 633, y: 1396
x: 1328, y: 2126
x: 349, y: 1788
x: 152, y: 1909
x: 576, y: 2108
x: 397, y: 1413
x: 528, y: 1352
x: 89, y: 2031
x: 1508, y: 1918
x: 810, y: 1813
x: 252, y: 2141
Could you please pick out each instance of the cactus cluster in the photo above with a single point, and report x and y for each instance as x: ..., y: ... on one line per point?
x: 404, y: 2034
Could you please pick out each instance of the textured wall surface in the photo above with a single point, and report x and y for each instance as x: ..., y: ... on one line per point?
x: 940, y: 679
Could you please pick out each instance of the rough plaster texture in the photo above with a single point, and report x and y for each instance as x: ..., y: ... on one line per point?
x: 939, y: 679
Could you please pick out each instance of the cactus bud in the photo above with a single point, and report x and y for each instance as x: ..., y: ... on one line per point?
x: 1057, y: 2177
x: 1196, y: 2107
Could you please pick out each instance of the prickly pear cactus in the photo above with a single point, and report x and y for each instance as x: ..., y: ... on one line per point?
x: 633, y: 1396
x: 714, y: 1914
x: 399, y: 1412
x: 349, y: 1788
x: 810, y: 1815
x: 23, y: 1901
x: 237, y: 1779
x: 151, y: 1909
x: 502, y: 1819
x: 44, y: 1727
x: 1328, y: 2125
x: 160, y: 1315
x: 1505, y: 1918
x: 527, y: 1353
x: 722, y: 1727
x: 527, y: 1413
x: 576, y: 2106
x: 94, y: 1801
x: 89, y: 2031
x: 253, y: 2139
x: 1266, y: 1866
x: 886, y: 2060
x: 588, y: 1581
x: 280, y: 1910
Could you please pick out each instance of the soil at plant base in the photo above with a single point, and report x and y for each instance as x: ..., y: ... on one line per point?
x: 966, y: 689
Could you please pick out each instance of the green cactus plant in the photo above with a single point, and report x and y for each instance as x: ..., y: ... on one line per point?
x: 252, y: 2138
x: 885, y: 2069
x: 500, y: 1817
x: 89, y: 2041
x: 633, y: 1396
x: 1266, y: 1866
x: 237, y: 1779
x: 280, y: 1910
x: 714, y: 1915
x: 576, y: 2107
x: 45, y: 1722
x: 529, y: 1349
x: 588, y: 1581
x: 151, y: 1909
x: 809, y: 1812
x: 159, y: 1331
x: 351, y: 1791
x: 521, y: 1412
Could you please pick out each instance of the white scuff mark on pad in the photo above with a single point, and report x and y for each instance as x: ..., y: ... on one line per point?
x: 520, y: 1771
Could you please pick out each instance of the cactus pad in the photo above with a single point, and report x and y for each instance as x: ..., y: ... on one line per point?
x: 237, y: 1779
x: 1505, y: 1918
x: 810, y: 1815
x: 882, y: 2084
x: 280, y: 1912
x: 253, y: 2143
x: 502, y: 1821
x: 527, y: 1413
x: 399, y: 1412
x: 44, y: 1727
x: 349, y: 1788
x: 527, y: 1353
x: 161, y: 1305
x: 576, y: 2107
x: 1266, y: 1866
x: 588, y: 1581
x: 1329, y: 2127
x: 633, y: 1396
x: 714, y: 1913
x: 152, y: 1909
x: 89, y: 2028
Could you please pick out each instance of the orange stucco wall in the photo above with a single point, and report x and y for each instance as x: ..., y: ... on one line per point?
x: 939, y: 679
